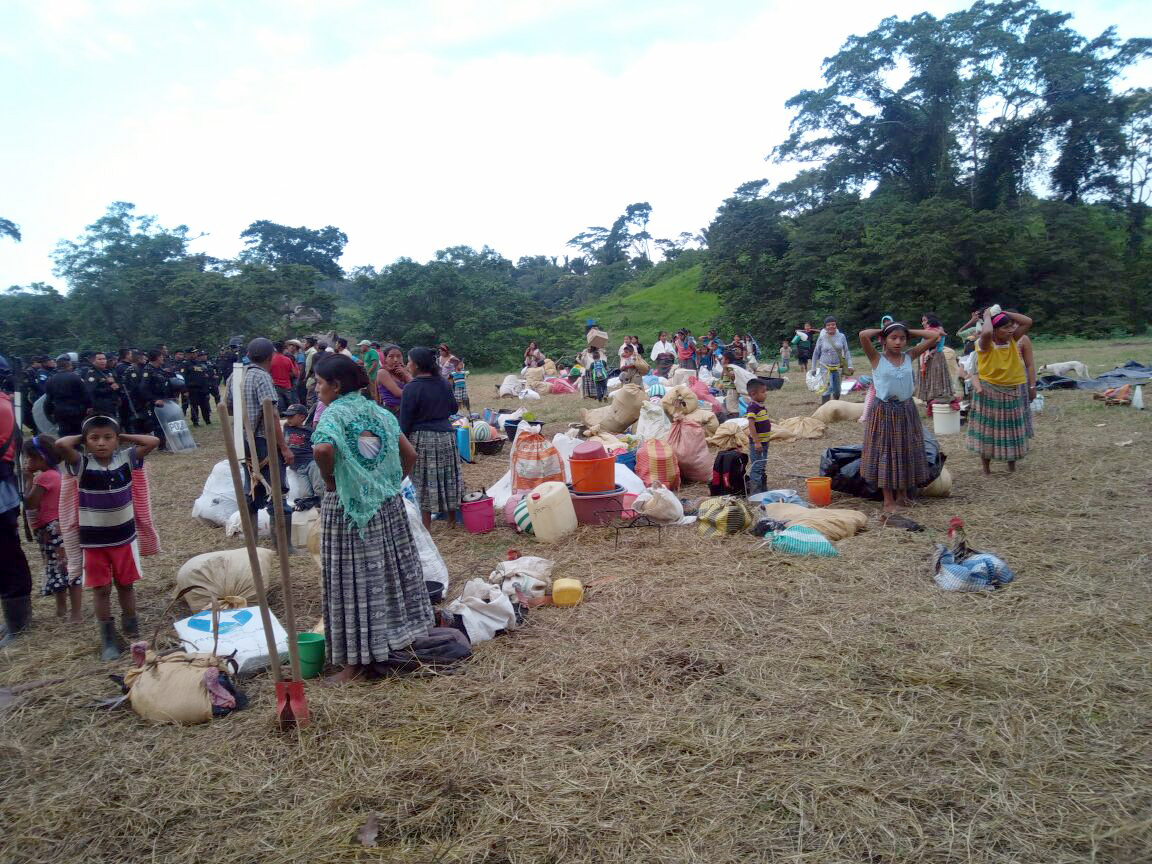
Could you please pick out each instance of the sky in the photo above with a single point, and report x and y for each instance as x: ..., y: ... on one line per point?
x: 411, y: 125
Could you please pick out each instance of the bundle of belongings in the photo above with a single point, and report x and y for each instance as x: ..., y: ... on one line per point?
x: 956, y: 567
x: 179, y: 687
x: 800, y: 530
x: 842, y: 464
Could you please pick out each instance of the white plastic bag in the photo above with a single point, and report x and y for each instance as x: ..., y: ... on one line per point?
x: 435, y: 570
x: 218, y: 499
x: 241, y: 630
x: 815, y: 379
x: 233, y: 527
x: 1038, y: 403
x: 653, y: 422
x: 530, y: 574
x: 484, y: 609
x: 529, y: 394
x: 659, y: 504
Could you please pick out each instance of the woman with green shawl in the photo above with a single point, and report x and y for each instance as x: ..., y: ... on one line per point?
x: 375, y: 600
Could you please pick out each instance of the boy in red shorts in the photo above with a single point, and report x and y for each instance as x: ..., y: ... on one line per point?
x: 107, y: 522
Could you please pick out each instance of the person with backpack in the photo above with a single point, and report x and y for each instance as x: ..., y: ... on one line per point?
x: 598, y: 371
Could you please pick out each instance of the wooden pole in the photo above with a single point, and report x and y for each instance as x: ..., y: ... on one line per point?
x: 270, y: 419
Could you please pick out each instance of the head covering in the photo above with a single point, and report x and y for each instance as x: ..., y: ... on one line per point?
x: 893, y: 325
x: 260, y: 349
x: 363, y: 343
x: 293, y: 410
x: 1000, y: 319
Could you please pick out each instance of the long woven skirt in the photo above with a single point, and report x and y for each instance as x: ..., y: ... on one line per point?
x: 1028, y: 430
x: 893, y: 453
x: 935, y: 385
x: 375, y: 599
x: 996, y: 424
x: 587, y: 385
x: 436, y: 476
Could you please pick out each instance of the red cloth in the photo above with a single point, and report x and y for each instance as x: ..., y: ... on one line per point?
x: 49, y: 509
x: 110, y: 564
x: 7, y: 421
x: 283, y: 370
x: 146, y: 538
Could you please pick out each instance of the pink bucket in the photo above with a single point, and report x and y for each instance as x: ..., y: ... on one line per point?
x: 479, y: 516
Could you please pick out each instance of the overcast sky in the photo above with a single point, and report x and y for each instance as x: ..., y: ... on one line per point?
x: 414, y: 125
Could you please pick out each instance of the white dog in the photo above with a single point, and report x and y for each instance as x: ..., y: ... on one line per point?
x: 1072, y: 368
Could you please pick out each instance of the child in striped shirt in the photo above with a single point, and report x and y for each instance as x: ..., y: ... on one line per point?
x: 759, y: 432
x: 107, y: 520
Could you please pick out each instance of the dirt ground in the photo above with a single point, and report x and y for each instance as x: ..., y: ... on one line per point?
x: 711, y: 701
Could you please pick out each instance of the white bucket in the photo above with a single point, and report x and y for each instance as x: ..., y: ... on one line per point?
x: 945, y: 421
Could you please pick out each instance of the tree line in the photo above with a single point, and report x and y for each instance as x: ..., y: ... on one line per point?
x: 949, y: 162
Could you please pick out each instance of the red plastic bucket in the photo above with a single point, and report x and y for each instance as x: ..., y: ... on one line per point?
x: 593, y: 476
x: 478, y: 516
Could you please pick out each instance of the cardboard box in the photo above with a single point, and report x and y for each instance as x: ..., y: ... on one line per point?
x: 597, y: 338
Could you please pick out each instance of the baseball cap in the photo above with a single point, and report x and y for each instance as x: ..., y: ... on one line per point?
x: 293, y: 410
x: 363, y: 343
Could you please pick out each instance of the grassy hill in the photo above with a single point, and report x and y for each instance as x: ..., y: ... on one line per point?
x: 669, y: 304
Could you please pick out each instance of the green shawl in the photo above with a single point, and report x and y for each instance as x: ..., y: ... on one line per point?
x: 364, y: 480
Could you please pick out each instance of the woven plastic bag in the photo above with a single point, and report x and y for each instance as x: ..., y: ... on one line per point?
x: 534, y: 460
x: 653, y: 422
x: 172, y: 689
x: 225, y: 576
x: 801, y: 540
x: 656, y: 463
x: 690, y: 445
x: 719, y: 517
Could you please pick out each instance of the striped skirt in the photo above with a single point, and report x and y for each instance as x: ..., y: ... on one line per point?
x: 935, y: 385
x: 996, y: 424
x: 1031, y: 433
x: 893, y: 453
x: 436, y: 476
x: 375, y: 600
x: 588, y: 386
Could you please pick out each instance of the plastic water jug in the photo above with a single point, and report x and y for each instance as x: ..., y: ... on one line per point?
x: 553, y: 516
x: 567, y: 592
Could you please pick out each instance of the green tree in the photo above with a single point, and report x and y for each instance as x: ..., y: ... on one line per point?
x: 34, y: 320
x: 276, y: 245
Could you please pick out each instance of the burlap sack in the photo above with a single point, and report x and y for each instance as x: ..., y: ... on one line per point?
x: 798, y: 427
x: 833, y: 523
x: 707, y: 418
x: 549, y: 368
x: 730, y: 436
x: 679, y: 400
x: 836, y: 410
x: 225, y: 576
x: 617, y: 415
x: 171, y: 689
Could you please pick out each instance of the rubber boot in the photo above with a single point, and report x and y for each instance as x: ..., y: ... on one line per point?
x: 824, y: 398
x: 130, y: 625
x: 109, y: 641
x: 287, y: 534
x: 17, y: 614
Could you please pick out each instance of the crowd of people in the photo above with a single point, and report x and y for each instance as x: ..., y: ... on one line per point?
x: 356, y: 422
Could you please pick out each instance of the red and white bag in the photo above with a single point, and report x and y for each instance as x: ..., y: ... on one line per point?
x: 534, y: 460
x: 656, y: 463
x: 690, y: 445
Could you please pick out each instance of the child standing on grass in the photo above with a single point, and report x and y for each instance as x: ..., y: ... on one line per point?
x: 759, y: 433
x: 728, y: 385
x: 41, y: 459
x: 997, y: 427
x: 892, y: 458
x: 598, y: 369
x: 785, y: 355
x: 107, y: 524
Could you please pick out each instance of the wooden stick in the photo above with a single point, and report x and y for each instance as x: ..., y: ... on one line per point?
x: 250, y: 540
x: 270, y: 419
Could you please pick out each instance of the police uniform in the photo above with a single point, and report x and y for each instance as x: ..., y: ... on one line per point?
x: 155, y: 385
x: 105, y: 396
x: 200, y: 376
x: 135, y: 406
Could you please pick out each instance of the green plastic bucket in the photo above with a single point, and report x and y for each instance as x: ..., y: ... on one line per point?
x: 311, y: 647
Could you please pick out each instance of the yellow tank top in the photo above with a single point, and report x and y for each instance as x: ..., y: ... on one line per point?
x: 1001, y: 365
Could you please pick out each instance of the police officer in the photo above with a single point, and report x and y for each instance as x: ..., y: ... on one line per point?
x: 31, y: 388
x: 200, y: 376
x: 67, y: 398
x: 155, y: 388
x: 102, y: 387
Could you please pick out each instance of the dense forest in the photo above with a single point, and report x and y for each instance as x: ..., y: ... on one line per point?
x: 987, y: 155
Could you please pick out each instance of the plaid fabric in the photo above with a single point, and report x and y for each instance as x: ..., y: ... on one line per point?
x: 257, y: 387
x: 460, y: 386
x: 588, y: 386
x: 375, y: 600
x: 436, y: 475
x: 996, y: 425
x: 934, y: 384
x: 52, y: 554
x: 978, y: 572
x: 656, y: 463
x: 1028, y: 428
x: 719, y: 517
x: 893, y: 453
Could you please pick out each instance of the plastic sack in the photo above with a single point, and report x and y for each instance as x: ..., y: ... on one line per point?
x: 690, y: 445
x: 653, y: 422
x: 560, y: 387
x: 659, y: 504
x: 1037, y: 405
x: 534, y: 460
x: 241, y: 631
x: 835, y: 410
x: 263, y: 527
x: 794, y: 428
x: 978, y: 572
x: 777, y: 496
x: 801, y: 540
x: 705, y: 395
x: 815, y: 379
x: 224, y: 576
x: 529, y: 394
x: 530, y: 574
x: 217, y: 500
x: 435, y: 570
x: 656, y: 463
x: 484, y: 609
x: 511, y: 386
x: 835, y: 523
x: 622, y: 411
x: 731, y: 435
x: 719, y: 517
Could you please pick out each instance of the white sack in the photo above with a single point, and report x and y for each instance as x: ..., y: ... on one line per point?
x: 435, y: 570
x: 484, y: 609
x: 653, y: 422
x: 241, y: 630
x: 218, y: 500
x: 263, y: 529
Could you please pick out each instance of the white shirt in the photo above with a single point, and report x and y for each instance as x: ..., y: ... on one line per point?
x: 663, y: 348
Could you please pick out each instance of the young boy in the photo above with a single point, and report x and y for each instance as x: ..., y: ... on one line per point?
x: 728, y: 386
x: 599, y: 373
x: 107, y: 521
x: 785, y: 355
x: 299, y: 437
x: 759, y: 431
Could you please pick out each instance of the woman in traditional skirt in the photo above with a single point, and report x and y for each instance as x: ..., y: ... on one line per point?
x: 587, y: 384
x: 375, y: 600
x: 425, y: 413
x: 935, y: 383
x: 892, y: 458
x: 997, y: 427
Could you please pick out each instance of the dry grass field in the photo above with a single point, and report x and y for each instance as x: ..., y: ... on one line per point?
x: 712, y: 701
